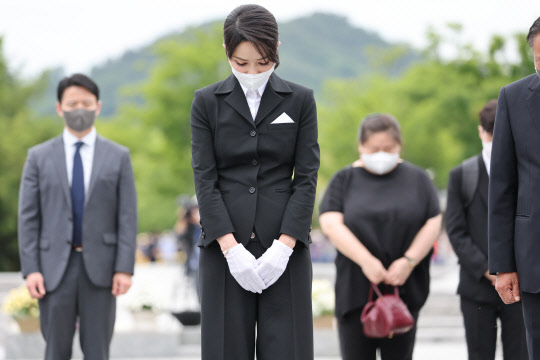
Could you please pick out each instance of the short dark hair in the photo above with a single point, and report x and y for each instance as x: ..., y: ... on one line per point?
x: 487, y: 116
x: 377, y: 122
x: 255, y: 24
x: 533, y: 31
x: 76, y: 80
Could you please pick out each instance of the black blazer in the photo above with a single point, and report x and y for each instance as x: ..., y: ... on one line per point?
x: 243, y: 168
x: 467, y: 229
x: 514, y: 189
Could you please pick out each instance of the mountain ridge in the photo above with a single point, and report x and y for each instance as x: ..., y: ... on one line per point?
x: 315, y: 48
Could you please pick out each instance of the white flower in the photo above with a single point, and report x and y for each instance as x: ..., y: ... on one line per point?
x: 322, y: 298
x: 144, y: 295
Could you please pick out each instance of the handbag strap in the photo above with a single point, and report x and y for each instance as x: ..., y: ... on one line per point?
x: 375, y: 288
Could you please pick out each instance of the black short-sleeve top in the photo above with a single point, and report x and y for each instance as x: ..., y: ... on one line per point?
x: 385, y: 212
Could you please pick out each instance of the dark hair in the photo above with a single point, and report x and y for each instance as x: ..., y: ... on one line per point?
x: 76, y: 80
x: 255, y: 24
x: 190, y: 210
x: 487, y: 116
x: 533, y: 31
x: 374, y: 123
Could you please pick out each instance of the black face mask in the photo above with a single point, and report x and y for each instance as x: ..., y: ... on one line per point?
x: 80, y: 119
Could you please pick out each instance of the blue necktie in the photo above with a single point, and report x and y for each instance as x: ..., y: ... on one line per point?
x: 77, y: 195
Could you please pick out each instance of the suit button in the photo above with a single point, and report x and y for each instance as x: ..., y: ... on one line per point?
x: 254, y: 162
x: 252, y: 133
x: 253, y: 235
x: 252, y: 190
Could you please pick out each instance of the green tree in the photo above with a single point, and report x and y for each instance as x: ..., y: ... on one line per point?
x: 158, y: 132
x: 436, y: 101
x: 19, y: 130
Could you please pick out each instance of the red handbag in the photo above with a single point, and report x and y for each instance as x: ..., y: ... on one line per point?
x: 386, y: 316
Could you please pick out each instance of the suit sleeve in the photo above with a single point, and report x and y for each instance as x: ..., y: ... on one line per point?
x: 502, y: 193
x: 127, y: 218
x: 299, y: 210
x: 471, y: 258
x: 214, y: 215
x: 29, y: 217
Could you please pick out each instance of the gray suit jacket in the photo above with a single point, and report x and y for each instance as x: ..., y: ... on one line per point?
x: 45, y: 214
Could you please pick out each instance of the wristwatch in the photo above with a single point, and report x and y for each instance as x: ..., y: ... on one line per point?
x: 412, y: 262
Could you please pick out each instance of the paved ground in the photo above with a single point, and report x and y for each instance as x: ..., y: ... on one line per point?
x: 440, y: 331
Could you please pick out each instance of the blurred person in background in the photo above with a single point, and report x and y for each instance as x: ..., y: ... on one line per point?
x: 249, y: 134
x: 467, y: 227
x: 150, y: 250
x: 188, y: 236
x: 514, y: 199
x: 383, y: 216
x: 77, y: 226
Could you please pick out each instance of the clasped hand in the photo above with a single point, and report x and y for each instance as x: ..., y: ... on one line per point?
x: 256, y: 275
x: 396, y: 275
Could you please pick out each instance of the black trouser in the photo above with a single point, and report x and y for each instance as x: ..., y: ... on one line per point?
x: 76, y: 297
x: 356, y: 346
x: 531, y: 317
x: 481, y: 330
x: 236, y: 323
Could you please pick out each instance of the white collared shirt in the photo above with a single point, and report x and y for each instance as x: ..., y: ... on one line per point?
x: 254, y: 98
x: 487, y: 160
x: 86, y: 151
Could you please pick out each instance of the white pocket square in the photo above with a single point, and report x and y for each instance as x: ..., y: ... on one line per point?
x: 283, y: 119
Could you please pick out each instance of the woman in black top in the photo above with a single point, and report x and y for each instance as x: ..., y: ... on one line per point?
x: 382, y: 214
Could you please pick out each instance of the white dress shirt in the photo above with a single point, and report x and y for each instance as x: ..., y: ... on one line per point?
x: 254, y: 98
x: 86, y: 151
x: 487, y: 160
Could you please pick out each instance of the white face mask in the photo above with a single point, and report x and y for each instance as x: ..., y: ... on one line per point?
x: 486, y: 148
x: 380, y: 162
x: 252, y: 81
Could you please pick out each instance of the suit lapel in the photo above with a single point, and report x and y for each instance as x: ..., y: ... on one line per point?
x: 533, y: 101
x: 237, y: 98
x: 100, y: 153
x: 270, y: 99
x: 59, y: 159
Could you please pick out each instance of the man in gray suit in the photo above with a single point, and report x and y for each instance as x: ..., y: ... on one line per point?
x: 77, y: 226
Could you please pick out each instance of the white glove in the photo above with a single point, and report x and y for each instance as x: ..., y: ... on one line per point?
x: 273, y: 262
x: 243, y: 267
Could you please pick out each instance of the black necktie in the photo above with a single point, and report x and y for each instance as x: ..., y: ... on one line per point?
x: 77, y: 195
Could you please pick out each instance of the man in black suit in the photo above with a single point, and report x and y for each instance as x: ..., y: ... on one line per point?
x: 514, y: 198
x: 467, y: 227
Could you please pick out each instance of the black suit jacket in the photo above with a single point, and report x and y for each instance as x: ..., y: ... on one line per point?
x: 467, y: 228
x: 244, y: 168
x: 514, y: 189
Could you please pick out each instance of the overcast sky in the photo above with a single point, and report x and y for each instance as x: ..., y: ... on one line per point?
x: 40, y: 34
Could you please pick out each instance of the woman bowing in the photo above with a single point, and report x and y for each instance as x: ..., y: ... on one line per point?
x: 250, y: 133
